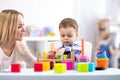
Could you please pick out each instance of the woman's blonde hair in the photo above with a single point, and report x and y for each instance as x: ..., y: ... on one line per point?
x: 8, y: 25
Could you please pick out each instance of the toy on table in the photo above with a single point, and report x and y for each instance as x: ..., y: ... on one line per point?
x: 15, y: 67
x: 69, y: 64
x: 101, y: 60
x: 83, y: 65
x: 82, y: 58
x: 51, y: 54
x: 59, y: 68
x: 38, y: 67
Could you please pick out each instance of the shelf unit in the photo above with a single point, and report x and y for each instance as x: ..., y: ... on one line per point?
x: 41, y: 38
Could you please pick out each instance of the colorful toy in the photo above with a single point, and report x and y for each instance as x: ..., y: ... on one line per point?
x: 15, y: 67
x: 83, y: 67
x: 68, y: 64
x: 82, y: 58
x: 38, y: 67
x: 102, y: 60
x: 91, y: 66
x: 59, y: 68
x: 46, y: 65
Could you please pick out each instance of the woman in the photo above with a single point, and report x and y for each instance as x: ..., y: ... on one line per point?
x: 11, y: 46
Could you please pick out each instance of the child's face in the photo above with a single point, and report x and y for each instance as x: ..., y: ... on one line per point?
x: 68, y: 35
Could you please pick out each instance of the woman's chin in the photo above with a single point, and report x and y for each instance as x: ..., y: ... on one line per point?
x: 20, y: 39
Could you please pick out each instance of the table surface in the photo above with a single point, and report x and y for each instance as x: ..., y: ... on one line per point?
x: 27, y: 74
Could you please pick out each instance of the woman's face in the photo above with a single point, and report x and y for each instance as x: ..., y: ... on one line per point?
x: 68, y: 35
x: 20, y: 28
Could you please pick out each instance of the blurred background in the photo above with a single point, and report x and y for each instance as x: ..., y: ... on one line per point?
x: 42, y: 18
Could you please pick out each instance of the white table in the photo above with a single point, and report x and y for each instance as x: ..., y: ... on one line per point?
x: 29, y: 74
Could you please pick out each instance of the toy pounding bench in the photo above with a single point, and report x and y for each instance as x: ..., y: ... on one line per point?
x: 62, y: 65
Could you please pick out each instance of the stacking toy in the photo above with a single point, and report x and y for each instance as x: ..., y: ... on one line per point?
x: 15, y: 67
x: 102, y: 61
x: 82, y: 58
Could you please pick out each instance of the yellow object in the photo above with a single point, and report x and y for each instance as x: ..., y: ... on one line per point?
x: 59, y: 67
x: 44, y: 55
x: 83, y: 67
x: 65, y: 57
x: 46, y: 66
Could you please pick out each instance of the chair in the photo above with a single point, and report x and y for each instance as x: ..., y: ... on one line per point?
x: 87, y: 47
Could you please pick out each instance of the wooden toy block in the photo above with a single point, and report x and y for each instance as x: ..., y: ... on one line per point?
x: 38, y: 67
x: 46, y: 65
x: 91, y: 66
x: 83, y: 67
x: 69, y: 64
x: 15, y: 67
x: 59, y: 68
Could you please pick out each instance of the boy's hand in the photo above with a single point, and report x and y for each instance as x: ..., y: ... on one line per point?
x: 60, y: 51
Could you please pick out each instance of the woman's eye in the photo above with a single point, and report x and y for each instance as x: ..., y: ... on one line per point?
x: 19, y: 26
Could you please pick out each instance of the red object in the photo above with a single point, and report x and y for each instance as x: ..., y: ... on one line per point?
x: 52, y: 56
x: 16, y: 67
x: 38, y: 67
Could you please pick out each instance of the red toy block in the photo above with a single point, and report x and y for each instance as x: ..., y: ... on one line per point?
x: 15, y: 67
x: 38, y: 67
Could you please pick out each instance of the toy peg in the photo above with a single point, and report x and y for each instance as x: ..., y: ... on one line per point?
x: 44, y: 55
x: 65, y: 57
x: 82, y: 42
x: 37, y: 56
x: 52, y: 47
x: 72, y: 55
x: 72, y: 58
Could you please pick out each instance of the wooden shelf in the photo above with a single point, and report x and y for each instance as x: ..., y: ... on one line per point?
x: 41, y: 38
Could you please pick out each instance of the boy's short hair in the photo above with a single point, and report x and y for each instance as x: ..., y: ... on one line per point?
x: 68, y: 22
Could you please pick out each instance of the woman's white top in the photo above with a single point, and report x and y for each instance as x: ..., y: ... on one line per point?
x: 6, y: 61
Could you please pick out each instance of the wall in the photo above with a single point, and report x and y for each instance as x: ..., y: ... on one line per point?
x: 51, y: 12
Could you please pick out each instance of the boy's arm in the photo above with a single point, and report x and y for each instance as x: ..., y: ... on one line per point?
x: 112, y: 50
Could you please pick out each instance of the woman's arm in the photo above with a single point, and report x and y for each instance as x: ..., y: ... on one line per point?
x: 25, y: 54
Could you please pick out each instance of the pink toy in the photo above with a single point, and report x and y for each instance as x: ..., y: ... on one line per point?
x: 82, y: 58
x: 69, y: 64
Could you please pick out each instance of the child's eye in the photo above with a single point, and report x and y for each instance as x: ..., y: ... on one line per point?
x: 69, y: 35
x: 62, y: 35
